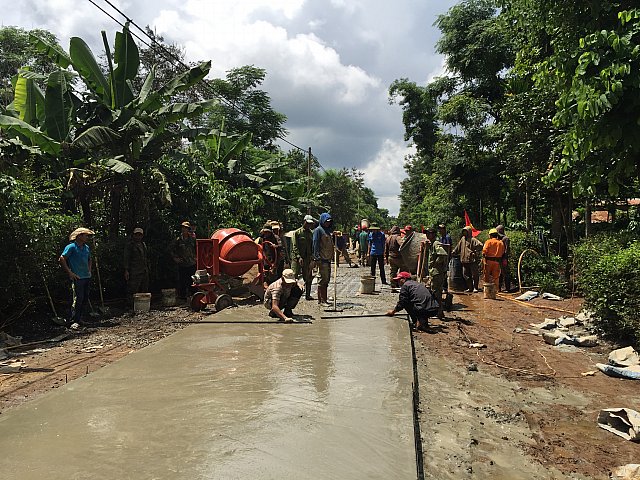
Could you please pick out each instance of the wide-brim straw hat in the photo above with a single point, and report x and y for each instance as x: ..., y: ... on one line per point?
x: 80, y: 231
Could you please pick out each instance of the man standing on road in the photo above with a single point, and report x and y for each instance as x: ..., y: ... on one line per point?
x: 376, y: 251
x: 437, y: 266
x: 282, y: 296
x: 416, y: 299
x: 183, y: 253
x: 470, y: 250
x: 392, y: 253
x: 136, y: 264
x: 76, y: 262
x: 492, y: 252
x: 363, y: 245
x: 445, y: 239
x: 302, y: 253
x: 505, y: 274
x: 323, y: 252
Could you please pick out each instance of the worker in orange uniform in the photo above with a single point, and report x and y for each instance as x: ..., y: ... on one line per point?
x: 492, y: 253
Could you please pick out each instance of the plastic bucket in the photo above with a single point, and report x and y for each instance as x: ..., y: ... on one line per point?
x: 168, y: 297
x: 141, y: 302
x: 367, y: 284
x: 490, y: 291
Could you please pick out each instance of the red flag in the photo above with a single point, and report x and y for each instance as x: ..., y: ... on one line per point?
x: 467, y: 223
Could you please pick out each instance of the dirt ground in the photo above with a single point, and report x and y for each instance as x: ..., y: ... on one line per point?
x: 517, y: 409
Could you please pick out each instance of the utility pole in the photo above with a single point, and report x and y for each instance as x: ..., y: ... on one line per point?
x: 309, y: 180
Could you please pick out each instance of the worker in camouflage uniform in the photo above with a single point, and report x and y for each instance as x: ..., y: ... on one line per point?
x: 302, y: 253
x: 136, y: 264
x: 438, y: 259
x: 183, y: 253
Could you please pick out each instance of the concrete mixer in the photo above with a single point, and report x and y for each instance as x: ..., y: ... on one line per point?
x: 229, y: 251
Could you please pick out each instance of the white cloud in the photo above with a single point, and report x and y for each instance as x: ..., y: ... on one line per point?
x: 329, y: 64
x: 385, y: 172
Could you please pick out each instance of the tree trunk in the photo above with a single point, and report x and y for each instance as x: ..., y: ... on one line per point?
x: 587, y: 218
x: 116, y: 202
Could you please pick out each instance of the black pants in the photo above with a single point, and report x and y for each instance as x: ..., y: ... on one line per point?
x: 185, y: 281
x: 421, y: 316
x: 379, y: 259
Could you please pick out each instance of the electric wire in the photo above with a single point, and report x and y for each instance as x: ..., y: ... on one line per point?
x: 175, y: 58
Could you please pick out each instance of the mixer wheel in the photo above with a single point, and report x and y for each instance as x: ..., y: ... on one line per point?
x: 198, y: 301
x: 223, y: 301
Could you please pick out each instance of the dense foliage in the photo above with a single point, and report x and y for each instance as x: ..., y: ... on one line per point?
x: 130, y: 139
x: 534, y: 126
x: 607, y: 273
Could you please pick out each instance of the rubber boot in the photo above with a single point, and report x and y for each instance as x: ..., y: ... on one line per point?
x: 307, y: 290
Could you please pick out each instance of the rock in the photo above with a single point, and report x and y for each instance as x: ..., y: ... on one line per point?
x: 554, y: 338
x: 567, y: 322
x: 472, y: 367
x: 548, y: 324
x: 586, y: 341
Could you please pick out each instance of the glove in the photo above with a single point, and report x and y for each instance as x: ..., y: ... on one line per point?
x: 288, y: 320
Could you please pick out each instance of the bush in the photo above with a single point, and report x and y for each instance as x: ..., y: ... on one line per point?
x: 32, y: 234
x: 607, y: 276
x: 537, y: 269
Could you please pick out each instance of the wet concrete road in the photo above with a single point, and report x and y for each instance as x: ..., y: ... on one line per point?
x: 328, y: 400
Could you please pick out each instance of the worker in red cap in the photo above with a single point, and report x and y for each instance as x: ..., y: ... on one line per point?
x: 416, y: 299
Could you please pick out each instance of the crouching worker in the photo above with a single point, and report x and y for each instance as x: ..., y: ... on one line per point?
x: 282, y: 296
x: 416, y: 299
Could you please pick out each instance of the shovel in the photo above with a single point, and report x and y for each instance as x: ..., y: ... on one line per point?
x: 102, y: 310
x: 55, y: 319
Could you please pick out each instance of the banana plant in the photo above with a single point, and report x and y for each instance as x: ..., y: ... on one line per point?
x: 91, y: 118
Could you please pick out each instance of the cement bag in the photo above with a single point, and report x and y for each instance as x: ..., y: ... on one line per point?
x: 623, y: 422
x: 624, y: 357
x: 626, y: 472
x: 410, y: 249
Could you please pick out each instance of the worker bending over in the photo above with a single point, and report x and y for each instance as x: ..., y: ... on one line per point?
x: 282, y: 296
x: 416, y: 299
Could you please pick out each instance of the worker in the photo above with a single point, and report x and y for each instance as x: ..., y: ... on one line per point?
x: 492, y: 254
x: 76, y: 262
x: 392, y: 253
x: 416, y: 299
x: 376, y: 251
x: 302, y: 253
x: 505, y: 274
x: 136, y: 263
x: 323, y: 252
x: 283, y: 258
x: 183, y: 252
x: 469, y: 249
x: 445, y: 239
x: 282, y: 296
x: 272, y: 252
x: 437, y: 266
x: 341, y: 247
x: 363, y: 244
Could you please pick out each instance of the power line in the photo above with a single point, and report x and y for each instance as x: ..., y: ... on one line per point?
x: 184, y: 65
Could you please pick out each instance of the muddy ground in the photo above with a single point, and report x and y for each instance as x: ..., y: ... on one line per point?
x: 517, y: 409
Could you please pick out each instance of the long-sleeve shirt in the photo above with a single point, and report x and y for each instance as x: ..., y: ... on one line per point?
x: 468, y: 249
x: 415, y: 296
x: 392, y: 247
x: 493, y: 249
x: 438, y: 259
x: 302, y: 244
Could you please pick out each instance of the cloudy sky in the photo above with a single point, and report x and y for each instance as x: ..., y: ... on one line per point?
x: 329, y: 63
